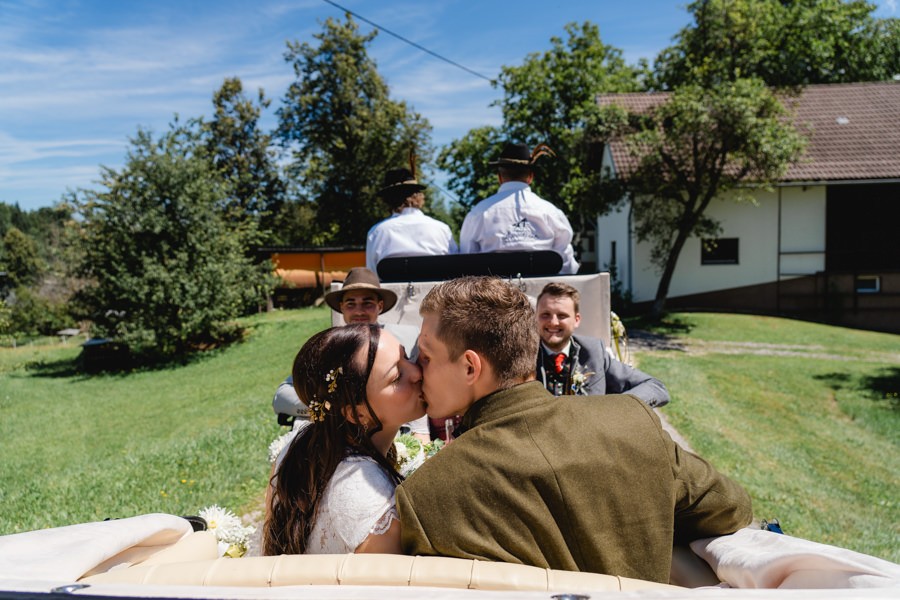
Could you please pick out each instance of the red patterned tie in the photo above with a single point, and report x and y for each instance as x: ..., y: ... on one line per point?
x: 558, y: 361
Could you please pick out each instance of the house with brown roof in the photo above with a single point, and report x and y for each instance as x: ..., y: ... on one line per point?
x: 824, y: 245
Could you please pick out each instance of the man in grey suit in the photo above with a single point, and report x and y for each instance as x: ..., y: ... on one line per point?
x: 584, y: 483
x: 570, y: 364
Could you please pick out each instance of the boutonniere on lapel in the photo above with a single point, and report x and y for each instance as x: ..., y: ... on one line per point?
x: 578, y: 380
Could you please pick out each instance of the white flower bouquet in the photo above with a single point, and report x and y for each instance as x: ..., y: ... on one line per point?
x: 231, y: 535
x: 279, y: 443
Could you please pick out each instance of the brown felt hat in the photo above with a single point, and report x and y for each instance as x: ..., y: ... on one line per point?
x: 361, y: 278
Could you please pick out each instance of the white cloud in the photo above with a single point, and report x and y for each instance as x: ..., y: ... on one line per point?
x: 18, y: 152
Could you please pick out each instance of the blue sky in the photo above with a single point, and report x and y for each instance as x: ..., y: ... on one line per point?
x: 78, y: 77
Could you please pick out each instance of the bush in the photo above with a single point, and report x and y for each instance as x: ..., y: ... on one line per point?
x: 31, y: 314
x: 168, y: 271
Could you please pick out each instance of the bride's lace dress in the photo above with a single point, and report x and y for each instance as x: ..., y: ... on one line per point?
x: 359, y: 500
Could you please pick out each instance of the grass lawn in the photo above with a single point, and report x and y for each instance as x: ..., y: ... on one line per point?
x: 805, y: 416
x: 175, y: 440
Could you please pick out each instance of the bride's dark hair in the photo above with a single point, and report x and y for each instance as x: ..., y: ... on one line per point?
x: 330, y: 381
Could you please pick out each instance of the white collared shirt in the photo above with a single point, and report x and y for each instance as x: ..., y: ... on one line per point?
x: 408, y: 233
x: 564, y: 351
x: 517, y: 219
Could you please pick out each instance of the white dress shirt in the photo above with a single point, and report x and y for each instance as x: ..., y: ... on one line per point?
x: 516, y: 219
x: 408, y: 233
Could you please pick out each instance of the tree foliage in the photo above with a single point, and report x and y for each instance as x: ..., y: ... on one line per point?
x: 44, y: 226
x: 166, y: 269
x: 344, y: 130
x: 466, y: 161
x: 550, y: 98
x: 33, y: 252
x: 783, y: 42
x: 245, y: 158
x: 20, y: 258
x: 701, y: 143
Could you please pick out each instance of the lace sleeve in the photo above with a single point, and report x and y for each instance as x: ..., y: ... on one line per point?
x: 359, y: 501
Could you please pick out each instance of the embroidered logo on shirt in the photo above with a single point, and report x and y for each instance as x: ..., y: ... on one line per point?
x: 520, y: 232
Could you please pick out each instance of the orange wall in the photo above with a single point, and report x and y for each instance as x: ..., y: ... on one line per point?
x: 315, y: 269
x: 319, y: 261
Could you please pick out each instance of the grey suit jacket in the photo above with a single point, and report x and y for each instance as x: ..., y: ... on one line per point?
x: 608, y: 375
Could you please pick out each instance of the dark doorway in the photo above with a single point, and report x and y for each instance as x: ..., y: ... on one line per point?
x: 862, y: 227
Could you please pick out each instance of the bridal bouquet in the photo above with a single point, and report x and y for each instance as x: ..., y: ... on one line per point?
x: 231, y: 535
x: 279, y: 443
x: 411, y: 453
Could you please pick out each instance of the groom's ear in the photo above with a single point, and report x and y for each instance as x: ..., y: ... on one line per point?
x: 474, y: 366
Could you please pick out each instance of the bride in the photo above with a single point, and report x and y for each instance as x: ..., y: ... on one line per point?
x: 332, y: 491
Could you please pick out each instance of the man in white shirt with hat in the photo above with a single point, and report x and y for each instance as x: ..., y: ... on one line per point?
x: 515, y: 218
x: 408, y: 231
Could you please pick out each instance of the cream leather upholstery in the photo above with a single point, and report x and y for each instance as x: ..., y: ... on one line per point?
x: 368, y: 569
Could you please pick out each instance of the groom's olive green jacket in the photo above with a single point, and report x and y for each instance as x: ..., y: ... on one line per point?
x: 581, y: 483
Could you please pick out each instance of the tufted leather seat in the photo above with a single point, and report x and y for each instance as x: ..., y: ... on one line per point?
x: 363, y: 569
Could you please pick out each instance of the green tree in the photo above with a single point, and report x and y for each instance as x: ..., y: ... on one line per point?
x: 466, y: 161
x: 345, y: 131
x: 166, y: 271
x: 697, y: 144
x: 44, y: 226
x: 550, y: 98
x: 783, y: 42
x: 32, y: 249
x: 245, y: 158
x: 5, y: 320
x: 33, y: 313
x: 20, y: 258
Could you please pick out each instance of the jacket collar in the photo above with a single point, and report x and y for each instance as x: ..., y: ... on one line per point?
x: 506, y: 402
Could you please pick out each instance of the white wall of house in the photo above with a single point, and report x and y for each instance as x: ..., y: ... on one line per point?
x: 763, y: 254
x: 802, y: 230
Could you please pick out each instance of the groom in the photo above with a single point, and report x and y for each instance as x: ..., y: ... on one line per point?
x: 564, y: 483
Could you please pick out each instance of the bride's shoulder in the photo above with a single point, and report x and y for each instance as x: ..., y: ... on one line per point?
x: 358, y: 481
x: 363, y: 467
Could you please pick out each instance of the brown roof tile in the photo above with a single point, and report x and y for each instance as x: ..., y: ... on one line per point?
x: 854, y: 131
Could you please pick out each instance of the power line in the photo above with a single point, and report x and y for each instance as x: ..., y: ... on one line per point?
x: 410, y: 42
x: 433, y: 183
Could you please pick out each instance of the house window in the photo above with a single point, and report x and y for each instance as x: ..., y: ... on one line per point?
x: 721, y: 251
x: 868, y: 284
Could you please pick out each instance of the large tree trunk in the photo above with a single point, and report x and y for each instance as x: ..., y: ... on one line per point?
x: 662, y: 290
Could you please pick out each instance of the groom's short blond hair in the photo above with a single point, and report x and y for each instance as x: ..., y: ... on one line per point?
x: 491, y: 317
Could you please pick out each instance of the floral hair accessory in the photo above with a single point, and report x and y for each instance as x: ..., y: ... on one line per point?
x: 331, y: 378
x: 317, y: 410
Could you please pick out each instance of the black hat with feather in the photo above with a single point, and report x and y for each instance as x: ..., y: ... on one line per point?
x: 518, y: 155
x: 400, y: 183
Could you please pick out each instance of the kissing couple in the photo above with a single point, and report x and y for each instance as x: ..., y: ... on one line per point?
x: 578, y: 483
